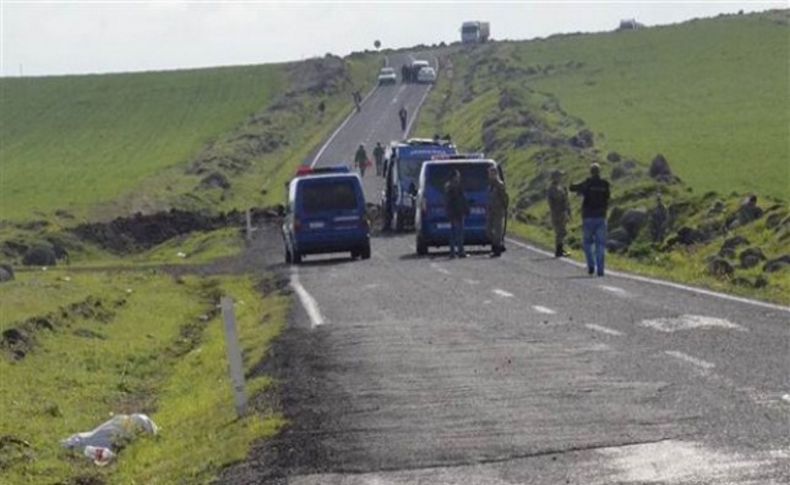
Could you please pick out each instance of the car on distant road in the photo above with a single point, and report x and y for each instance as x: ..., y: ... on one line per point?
x: 431, y: 222
x: 401, y: 173
x: 325, y: 213
x: 387, y: 76
x: 426, y: 75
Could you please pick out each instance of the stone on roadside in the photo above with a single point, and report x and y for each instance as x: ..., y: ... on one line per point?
x: 728, y: 248
x: 660, y: 171
x: 719, y: 267
x: 777, y: 264
x: 583, y: 139
x: 6, y: 273
x: 39, y: 255
x: 751, y: 257
x: 633, y: 221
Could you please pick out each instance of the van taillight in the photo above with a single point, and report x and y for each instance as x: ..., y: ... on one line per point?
x: 297, y: 225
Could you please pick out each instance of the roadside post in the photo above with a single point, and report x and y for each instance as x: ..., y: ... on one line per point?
x: 248, y: 218
x: 234, y: 356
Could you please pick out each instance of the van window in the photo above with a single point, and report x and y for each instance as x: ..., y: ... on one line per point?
x: 329, y: 195
x: 474, y: 176
x: 410, y: 168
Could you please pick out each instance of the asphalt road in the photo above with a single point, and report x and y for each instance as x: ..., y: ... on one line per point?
x: 520, y: 370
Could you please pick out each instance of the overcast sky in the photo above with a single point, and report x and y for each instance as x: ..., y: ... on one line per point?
x: 67, y: 37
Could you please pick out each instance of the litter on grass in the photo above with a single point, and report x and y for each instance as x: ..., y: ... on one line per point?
x: 102, y: 443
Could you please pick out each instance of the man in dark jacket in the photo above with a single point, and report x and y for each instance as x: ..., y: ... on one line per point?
x: 496, y: 212
x: 361, y: 160
x: 457, y: 208
x: 595, y: 191
x: 378, y: 154
x: 403, y: 114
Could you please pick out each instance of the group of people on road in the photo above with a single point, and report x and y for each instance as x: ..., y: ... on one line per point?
x: 362, y: 162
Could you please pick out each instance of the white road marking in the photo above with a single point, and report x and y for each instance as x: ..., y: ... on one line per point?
x: 502, y: 293
x: 543, y: 309
x: 786, y: 398
x: 689, y: 322
x: 606, y: 330
x: 308, y: 302
x: 470, y: 281
x: 614, y: 289
x: 441, y: 270
x: 669, y: 284
x: 400, y: 90
x: 691, y: 360
x: 371, y: 286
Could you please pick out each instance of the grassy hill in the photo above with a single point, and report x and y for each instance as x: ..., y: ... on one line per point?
x: 710, y: 95
x: 73, y: 142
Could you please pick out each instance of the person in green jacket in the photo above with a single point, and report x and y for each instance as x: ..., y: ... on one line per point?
x: 498, y: 201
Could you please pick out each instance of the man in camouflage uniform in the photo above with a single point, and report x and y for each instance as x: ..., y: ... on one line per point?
x: 557, y: 196
x: 659, y: 218
x: 498, y: 201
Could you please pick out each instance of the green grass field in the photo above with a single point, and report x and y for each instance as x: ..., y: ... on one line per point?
x: 710, y: 95
x: 75, y: 142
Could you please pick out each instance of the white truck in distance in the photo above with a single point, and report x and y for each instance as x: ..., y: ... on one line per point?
x: 475, y: 32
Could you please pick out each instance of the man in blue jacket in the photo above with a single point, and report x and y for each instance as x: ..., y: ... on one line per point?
x: 595, y: 192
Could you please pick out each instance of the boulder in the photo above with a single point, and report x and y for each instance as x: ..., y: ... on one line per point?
x: 613, y: 157
x: 777, y: 264
x: 614, y: 216
x: 615, y: 246
x: 688, y: 236
x: 6, y: 273
x: 660, y: 171
x: 620, y: 235
x: 39, y: 255
x: 215, y: 180
x: 633, y: 221
x: 751, y: 257
x: 719, y: 267
x: 582, y: 139
x: 727, y: 249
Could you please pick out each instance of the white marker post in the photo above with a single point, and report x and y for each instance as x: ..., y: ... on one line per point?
x: 248, y: 218
x: 234, y: 356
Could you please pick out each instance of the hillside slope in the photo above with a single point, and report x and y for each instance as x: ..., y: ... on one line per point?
x: 71, y: 142
x: 622, y: 99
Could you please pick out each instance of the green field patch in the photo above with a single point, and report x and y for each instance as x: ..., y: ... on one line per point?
x: 161, y: 353
x: 72, y: 142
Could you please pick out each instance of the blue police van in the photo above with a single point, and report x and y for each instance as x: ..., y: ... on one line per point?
x: 431, y: 223
x: 325, y: 213
x: 401, y: 175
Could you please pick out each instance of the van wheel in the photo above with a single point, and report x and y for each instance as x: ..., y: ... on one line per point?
x: 365, y: 254
x: 296, y: 258
x: 422, y: 248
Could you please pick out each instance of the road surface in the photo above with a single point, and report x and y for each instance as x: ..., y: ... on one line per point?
x: 520, y: 370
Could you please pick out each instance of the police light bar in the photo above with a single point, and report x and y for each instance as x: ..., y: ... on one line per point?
x: 307, y: 170
x: 458, y: 156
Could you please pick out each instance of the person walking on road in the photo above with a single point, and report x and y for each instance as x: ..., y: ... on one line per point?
x: 361, y: 160
x: 403, y: 115
x: 378, y: 155
x: 496, y: 213
x: 358, y: 101
x: 595, y: 192
x: 457, y: 208
x: 560, y: 209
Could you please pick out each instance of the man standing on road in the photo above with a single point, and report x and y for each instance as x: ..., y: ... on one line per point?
x: 595, y: 191
x: 560, y: 208
x: 498, y: 201
x: 378, y: 154
x: 403, y: 114
x: 457, y: 208
x: 361, y: 160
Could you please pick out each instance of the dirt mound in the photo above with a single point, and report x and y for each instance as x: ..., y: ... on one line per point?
x: 18, y: 340
x: 140, y: 232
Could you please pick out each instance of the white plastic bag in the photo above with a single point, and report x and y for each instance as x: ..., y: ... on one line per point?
x: 113, y: 434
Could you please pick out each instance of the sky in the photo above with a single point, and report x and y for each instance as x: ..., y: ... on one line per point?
x: 54, y: 37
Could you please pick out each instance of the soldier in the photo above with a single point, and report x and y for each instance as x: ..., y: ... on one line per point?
x: 498, y: 201
x: 557, y: 196
x: 378, y: 154
x: 659, y: 217
x: 403, y: 114
x: 361, y: 160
